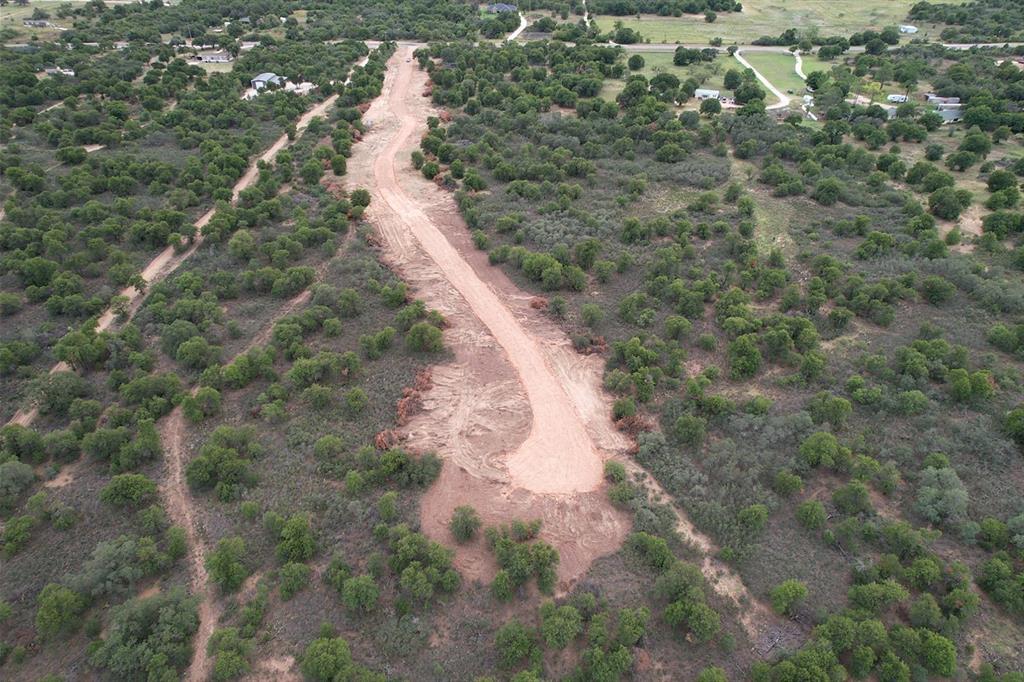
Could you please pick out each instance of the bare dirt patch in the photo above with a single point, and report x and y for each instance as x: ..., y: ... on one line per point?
x: 519, y: 417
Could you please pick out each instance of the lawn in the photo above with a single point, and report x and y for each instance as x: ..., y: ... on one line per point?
x: 709, y: 75
x: 812, y: 63
x: 768, y: 17
x: 779, y: 68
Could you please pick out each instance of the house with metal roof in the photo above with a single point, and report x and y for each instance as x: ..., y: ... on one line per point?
x: 704, y: 93
x: 266, y: 80
x: 221, y: 57
x: 501, y: 7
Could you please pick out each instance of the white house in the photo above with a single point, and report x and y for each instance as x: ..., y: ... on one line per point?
x: 265, y: 80
x: 897, y: 99
x: 247, y: 45
x: 907, y: 28
x: 55, y: 70
x: 216, y: 57
x: 705, y: 93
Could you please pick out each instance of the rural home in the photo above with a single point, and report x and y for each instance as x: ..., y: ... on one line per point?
x: 897, y: 99
x: 703, y: 93
x: 58, y: 70
x: 216, y: 57
x: 265, y: 80
x: 36, y: 23
x: 501, y: 7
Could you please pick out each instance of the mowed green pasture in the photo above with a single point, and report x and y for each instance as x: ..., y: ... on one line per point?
x: 768, y: 17
x: 777, y: 67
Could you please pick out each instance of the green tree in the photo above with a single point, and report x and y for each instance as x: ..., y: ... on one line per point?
x: 226, y: 564
x: 787, y: 596
x: 294, y: 578
x: 297, y: 543
x: 126, y: 490
x: 58, y: 610
x: 515, y: 644
x: 327, y: 659
x: 464, y: 524
x: 811, y: 514
x: 559, y: 624
x: 360, y: 594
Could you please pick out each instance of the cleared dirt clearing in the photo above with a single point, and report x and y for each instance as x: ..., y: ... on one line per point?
x: 519, y: 417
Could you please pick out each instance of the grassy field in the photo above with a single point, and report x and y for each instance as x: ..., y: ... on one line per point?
x: 778, y: 68
x: 812, y: 63
x: 768, y: 17
x: 12, y: 16
x: 709, y: 75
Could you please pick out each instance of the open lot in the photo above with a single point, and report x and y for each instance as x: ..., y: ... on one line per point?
x: 709, y: 75
x: 767, y: 17
x: 779, y: 68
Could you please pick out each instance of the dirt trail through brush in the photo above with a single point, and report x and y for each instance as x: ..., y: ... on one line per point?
x: 168, y: 260
x: 520, y: 419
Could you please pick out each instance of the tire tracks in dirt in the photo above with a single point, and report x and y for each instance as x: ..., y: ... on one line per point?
x: 521, y: 419
x: 174, y: 488
x: 518, y: 415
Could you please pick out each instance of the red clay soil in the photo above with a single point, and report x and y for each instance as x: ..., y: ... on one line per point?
x: 518, y: 417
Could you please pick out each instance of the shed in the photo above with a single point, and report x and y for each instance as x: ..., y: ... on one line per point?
x: 896, y: 99
x: 907, y: 28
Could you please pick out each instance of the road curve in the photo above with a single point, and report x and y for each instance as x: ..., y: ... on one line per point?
x: 783, y: 98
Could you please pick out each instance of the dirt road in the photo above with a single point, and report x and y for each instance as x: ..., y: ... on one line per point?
x: 519, y: 418
x: 168, y: 260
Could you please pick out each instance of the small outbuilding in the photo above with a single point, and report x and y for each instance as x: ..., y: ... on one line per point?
x: 908, y: 29
x: 705, y: 93
x: 897, y: 99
